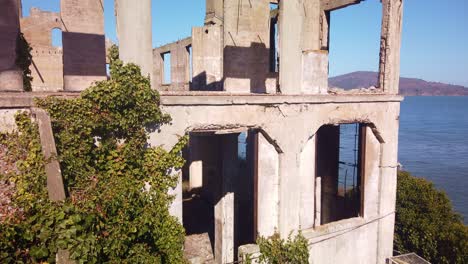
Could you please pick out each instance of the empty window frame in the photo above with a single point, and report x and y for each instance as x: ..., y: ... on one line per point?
x: 167, y: 78
x: 274, y: 59
x: 339, y: 172
x: 353, y: 41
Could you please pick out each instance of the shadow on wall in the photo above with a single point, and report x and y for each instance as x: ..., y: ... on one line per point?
x: 246, y: 70
x: 84, y: 54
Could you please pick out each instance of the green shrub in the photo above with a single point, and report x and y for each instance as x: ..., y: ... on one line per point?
x: 427, y: 224
x: 275, y: 250
x: 116, y: 209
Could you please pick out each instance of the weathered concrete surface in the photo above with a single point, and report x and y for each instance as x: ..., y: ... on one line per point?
x: 47, y: 66
x: 207, y: 58
x: 84, y: 54
x: 390, y: 45
x: 11, y: 78
x: 214, y: 12
x: 134, y: 33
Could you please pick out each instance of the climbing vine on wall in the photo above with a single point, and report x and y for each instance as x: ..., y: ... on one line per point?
x: 24, y: 60
x: 117, y: 205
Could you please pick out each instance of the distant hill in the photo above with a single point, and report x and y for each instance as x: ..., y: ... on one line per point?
x: 408, y: 86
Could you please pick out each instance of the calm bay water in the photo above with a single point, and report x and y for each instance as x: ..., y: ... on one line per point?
x: 434, y: 144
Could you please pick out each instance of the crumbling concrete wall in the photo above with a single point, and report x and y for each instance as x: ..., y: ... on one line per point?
x: 47, y: 60
x: 246, y: 47
x: 290, y: 122
x: 84, y: 45
x: 11, y: 79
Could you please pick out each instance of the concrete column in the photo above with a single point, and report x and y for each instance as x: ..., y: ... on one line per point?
x: 225, y: 208
x: 267, y: 188
x: 290, y: 42
x: 307, y: 179
x: 11, y: 78
x: 371, y: 175
x: 180, y: 69
x: 134, y: 30
x: 390, y: 45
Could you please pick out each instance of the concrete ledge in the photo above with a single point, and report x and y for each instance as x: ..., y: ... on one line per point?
x: 26, y: 99
x: 223, y: 98
x: 332, y: 230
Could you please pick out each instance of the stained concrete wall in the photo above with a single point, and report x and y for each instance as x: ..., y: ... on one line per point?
x: 84, y: 45
x: 246, y: 47
x: 290, y: 122
x: 134, y: 30
x: 47, y: 60
x: 11, y: 79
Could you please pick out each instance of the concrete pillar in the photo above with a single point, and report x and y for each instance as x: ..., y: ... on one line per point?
x: 134, y: 30
x: 225, y: 207
x: 11, y: 78
x: 307, y: 179
x: 371, y: 176
x: 290, y: 42
x: 267, y: 188
x: 390, y: 45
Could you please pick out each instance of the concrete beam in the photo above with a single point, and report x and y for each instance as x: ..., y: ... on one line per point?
x: 135, y: 33
x: 330, y: 5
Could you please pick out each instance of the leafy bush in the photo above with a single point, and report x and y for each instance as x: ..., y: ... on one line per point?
x: 116, y: 209
x: 275, y: 250
x: 427, y: 224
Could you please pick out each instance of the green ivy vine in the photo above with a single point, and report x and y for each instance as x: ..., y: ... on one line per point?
x: 117, y: 206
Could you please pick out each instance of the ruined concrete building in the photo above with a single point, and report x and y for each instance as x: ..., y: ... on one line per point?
x: 272, y: 148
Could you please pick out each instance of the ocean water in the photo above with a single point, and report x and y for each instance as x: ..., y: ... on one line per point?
x: 433, y: 144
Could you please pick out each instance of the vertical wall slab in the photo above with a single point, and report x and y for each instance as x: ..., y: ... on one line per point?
x: 134, y: 30
x: 307, y: 174
x: 390, y: 45
x: 315, y: 72
x: 180, y: 69
x: 11, y: 78
x: 207, y: 58
x: 267, y: 188
x: 225, y: 208
x: 246, y: 46
x: 84, y: 45
x: 372, y: 152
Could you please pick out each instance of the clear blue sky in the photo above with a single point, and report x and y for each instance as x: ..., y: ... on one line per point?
x: 434, y: 47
